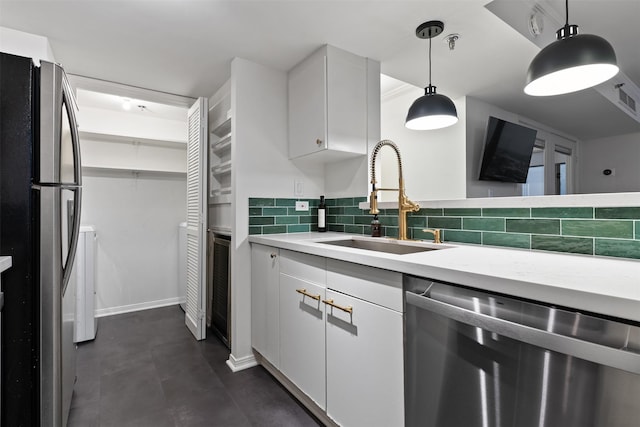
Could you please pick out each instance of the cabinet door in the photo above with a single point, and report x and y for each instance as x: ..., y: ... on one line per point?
x: 307, y: 106
x: 302, y: 339
x: 346, y: 101
x: 265, y: 318
x: 365, y: 384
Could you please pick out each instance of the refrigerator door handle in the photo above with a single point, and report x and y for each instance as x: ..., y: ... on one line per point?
x: 75, y: 234
x: 72, y: 107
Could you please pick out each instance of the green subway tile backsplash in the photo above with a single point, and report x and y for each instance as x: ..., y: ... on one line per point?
x: 576, y: 245
x: 429, y: 212
x: 389, y: 220
x: 287, y: 220
x: 345, y: 219
x: 483, y: 224
x: 562, y: 212
x: 348, y: 210
x: 362, y: 219
x: 261, y: 202
x: 598, y: 228
x: 347, y: 201
x: 534, y: 226
x: 618, y: 213
x: 274, y: 211
x: 618, y: 248
x: 613, y: 231
x: 261, y: 220
x: 463, y: 236
x: 286, y: 202
x: 462, y: 212
x: 357, y: 229
x: 416, y: 221
x: 298, y: 228
x: 444, y: 222
x: 274, y: 229
x: 510, y: 240
x: 507, y: 212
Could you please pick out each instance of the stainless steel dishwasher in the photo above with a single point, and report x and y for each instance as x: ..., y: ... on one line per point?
x: 474, y: 358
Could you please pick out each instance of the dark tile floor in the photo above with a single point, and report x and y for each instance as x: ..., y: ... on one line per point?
x: 145, y: 369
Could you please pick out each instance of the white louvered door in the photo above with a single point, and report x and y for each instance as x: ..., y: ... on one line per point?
x: 195, y: 310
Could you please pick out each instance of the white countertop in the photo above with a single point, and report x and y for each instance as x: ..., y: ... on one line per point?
x: 5, y: 263
x: 600, y: 285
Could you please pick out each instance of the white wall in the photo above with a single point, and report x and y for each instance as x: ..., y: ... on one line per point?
x: 25, y: 44
x: 478, y: 113
x: 136, y: 220
x: 261, y: 168
x: 433, y: 162
x: 618, y: 153
x: 136, y: 215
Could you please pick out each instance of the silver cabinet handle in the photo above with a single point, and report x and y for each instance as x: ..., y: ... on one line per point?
x: 592, y: 352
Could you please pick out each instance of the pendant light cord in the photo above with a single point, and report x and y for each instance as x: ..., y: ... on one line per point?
x: 429, y: 60
x: 566, y: 10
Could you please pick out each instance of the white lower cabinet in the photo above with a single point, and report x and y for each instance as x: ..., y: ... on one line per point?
x: 364, y: 364
x: 265, y: 294
x: 302, y: 338
x: 338, y: 332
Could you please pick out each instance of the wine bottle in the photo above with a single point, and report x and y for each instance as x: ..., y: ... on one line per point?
x: 322, y: 215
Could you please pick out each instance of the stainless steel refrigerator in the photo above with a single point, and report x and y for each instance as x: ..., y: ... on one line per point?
x: 40, y: 194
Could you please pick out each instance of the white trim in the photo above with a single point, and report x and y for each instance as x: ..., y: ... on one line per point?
x: 104, y: 86
x: 110, y: 311
x: 241, y: 363
x: 398, y: 91
x: 569, y: 200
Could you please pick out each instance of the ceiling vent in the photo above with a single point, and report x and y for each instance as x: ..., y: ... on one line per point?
x: 626, y: 99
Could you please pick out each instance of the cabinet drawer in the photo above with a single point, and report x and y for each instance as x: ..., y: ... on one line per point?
x: 303, y: 266
x: 375, y: 285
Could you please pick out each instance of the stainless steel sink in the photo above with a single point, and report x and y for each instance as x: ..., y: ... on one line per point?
x: 388, y: 246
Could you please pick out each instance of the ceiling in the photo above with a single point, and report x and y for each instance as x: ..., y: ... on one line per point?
x: 185, y: 47
x: 138, y: 107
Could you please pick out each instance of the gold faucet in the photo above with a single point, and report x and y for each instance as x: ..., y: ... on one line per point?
x: 404, y: 204
x: 436, y: 234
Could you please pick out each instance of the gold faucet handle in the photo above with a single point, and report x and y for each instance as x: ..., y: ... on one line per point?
x: 435, y: 232
x: 373, y: 203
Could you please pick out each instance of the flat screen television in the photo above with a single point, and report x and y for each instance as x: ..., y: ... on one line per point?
x: 507, y: 151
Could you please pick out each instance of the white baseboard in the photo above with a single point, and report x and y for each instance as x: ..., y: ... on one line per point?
x: 241, y: 363
x: 110, y: 311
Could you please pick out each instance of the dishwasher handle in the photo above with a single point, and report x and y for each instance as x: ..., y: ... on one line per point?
x: 596, y: 353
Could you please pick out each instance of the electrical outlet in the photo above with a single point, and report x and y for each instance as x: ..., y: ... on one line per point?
x: 302, y: 206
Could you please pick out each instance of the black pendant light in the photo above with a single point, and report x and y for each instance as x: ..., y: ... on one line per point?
x: 431, y: 111
x: 572, y: 63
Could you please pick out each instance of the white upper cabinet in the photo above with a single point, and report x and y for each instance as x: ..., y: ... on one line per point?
x: 330, y: 95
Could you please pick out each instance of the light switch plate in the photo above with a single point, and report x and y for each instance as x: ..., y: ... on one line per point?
x: 302, y: 206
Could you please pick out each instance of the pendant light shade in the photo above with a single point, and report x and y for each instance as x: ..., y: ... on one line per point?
x: 572, y: 63
x: 432, y: 110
